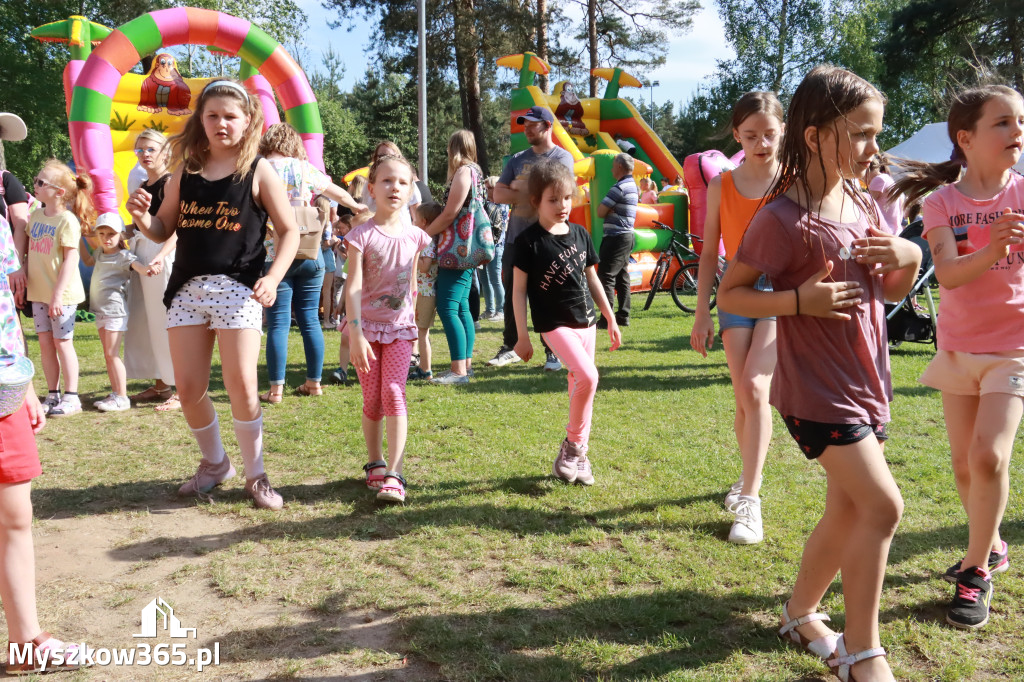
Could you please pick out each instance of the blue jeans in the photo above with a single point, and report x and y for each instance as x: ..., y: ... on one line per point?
x: 301, y: 285
x: 494, y: 292
x: 453, y: 309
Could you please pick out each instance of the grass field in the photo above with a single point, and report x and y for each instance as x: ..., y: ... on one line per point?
x: 495, y: 571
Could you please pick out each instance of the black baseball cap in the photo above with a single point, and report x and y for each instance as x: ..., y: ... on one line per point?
x: 536, y: 113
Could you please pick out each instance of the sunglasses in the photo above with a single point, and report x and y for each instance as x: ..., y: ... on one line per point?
x: 145, y: 150
x: 43, y: 183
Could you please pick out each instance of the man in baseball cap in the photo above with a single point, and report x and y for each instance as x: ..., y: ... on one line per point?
x: 536, y: 115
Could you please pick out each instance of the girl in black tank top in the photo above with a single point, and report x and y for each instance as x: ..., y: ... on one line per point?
x: 217, y: 204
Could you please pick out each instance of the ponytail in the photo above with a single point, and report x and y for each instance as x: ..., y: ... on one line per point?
x: 77, y: 192
x: 964, y: 113
x: 82, y: 205
x: 920, y: 178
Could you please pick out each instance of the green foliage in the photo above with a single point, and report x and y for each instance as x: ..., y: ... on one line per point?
x: 346, y: 146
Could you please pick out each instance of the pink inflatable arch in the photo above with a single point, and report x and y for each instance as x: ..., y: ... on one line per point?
x: 698, y: 169
x: 94, y: 89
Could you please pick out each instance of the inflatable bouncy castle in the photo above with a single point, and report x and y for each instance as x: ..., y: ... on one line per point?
x: 108, y: 106
x: 591, y: 129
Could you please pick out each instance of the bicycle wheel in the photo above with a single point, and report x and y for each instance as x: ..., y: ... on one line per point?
x: 657, y: 277
x: 684, y: 289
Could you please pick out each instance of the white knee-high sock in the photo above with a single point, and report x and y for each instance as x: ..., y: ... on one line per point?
x: 250, y: 442
x: 210, y: 445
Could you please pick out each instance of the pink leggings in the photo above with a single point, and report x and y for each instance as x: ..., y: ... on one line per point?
x: 384, y: 385
x: 575, y: 348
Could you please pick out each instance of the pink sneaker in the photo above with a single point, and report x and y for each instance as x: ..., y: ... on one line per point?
x: 40, y: 655
x: 566, y: 466
x: 207, y: 477
x: 263, y: 496
x: 584, y: 474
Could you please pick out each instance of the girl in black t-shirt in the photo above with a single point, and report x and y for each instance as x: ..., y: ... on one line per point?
x: 217, y: 203
x: 555, y: 265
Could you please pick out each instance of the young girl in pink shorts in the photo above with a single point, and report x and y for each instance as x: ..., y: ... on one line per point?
x: 382, y: 255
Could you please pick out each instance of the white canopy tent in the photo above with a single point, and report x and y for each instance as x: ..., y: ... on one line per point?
x: 931, y: 144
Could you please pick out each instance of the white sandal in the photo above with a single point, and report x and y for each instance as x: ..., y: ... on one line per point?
x: 842, y: 663
x: 824, y: 647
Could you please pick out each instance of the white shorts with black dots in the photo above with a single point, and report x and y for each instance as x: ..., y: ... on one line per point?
x: 217, y: 302
x: 62, y: 327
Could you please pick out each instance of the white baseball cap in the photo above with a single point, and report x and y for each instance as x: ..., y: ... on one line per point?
x: 12, y: 128
x: 111, y: 220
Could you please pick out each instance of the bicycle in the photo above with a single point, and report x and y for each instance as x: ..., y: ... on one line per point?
x: 684, y: 283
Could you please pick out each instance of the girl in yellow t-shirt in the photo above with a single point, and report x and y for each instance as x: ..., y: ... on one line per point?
x: 54, y: 284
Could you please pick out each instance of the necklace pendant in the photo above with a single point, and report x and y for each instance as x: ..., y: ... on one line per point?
x: 845, y: 253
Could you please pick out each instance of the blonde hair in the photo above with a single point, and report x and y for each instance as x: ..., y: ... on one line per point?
x: 323, y: 209
x: 77, y: 191
x: 385, y: 148
x: 358, y: 186
x: 461, y: 150
x: 283, y: 139
x: 381, y: 160
x: 191, y: 149
x: 153, y: 134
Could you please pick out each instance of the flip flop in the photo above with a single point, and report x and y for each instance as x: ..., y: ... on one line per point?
x: 172, y: 404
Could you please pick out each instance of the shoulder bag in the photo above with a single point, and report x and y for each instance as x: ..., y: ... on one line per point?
x: 468, y: 242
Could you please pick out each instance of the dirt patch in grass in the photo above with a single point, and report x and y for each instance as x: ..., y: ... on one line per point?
x: 97, y: 572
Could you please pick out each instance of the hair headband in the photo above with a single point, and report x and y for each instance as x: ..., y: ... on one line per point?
x: 228, y: 84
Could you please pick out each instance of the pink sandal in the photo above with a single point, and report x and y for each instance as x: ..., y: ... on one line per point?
x: 43, y: 654
x: 375, y: 481
x: 392, y: 492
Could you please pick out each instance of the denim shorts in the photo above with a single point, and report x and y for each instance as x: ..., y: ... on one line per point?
x: 730, y: 321
x: 329, y: 263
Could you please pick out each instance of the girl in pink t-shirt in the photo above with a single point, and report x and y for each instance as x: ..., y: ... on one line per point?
x: 819, y: 241
x: 975, y: 228
x: 382, y: 255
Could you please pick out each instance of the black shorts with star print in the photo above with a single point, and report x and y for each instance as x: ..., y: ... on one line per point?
x: 814, y: 437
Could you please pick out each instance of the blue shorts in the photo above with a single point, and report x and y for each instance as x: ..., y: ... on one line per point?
x: 730, y: 321
x: 329, y: 263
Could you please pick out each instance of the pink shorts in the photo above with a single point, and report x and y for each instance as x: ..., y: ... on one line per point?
x: 19, y: 458
x: 961, y: 373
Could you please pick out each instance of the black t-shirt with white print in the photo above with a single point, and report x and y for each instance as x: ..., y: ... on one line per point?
x: 556, y: 277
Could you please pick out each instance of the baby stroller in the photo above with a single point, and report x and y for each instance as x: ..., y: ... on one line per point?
x: 904, y: 321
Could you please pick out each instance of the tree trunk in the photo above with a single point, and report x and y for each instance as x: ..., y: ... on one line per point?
x: 1014, y: 30
x: 542, y: 40
x: 467, y: 60
x: 592, y: 42
x: 780, y: 62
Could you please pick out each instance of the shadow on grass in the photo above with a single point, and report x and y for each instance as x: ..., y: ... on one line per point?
x: 687, y: 629
x: 155, y: 496
x: 619, y: 377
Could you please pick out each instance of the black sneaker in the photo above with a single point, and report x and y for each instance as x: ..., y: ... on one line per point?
x: 997, y: 563
x: 969, y: 608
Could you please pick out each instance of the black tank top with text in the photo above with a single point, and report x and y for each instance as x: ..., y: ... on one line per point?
x: 220, y: 231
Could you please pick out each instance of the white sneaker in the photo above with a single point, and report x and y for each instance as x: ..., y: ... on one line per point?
x: 477, y: 325
x: 68, y: 405
x: 504, y: 356
x: 733, y: 496
x: 552, y: 364
x: 746, y: 529
x: 498, y: 317
x: 113, y: 403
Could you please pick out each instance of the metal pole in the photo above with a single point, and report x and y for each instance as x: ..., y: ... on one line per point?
x: 421, y: 10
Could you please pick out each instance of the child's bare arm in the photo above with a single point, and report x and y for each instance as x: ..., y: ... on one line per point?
x: 84, y: 254
x: 425, y: 264
x: 68, y: 269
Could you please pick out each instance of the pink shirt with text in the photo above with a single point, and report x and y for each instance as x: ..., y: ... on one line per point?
x: 985, y: 315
